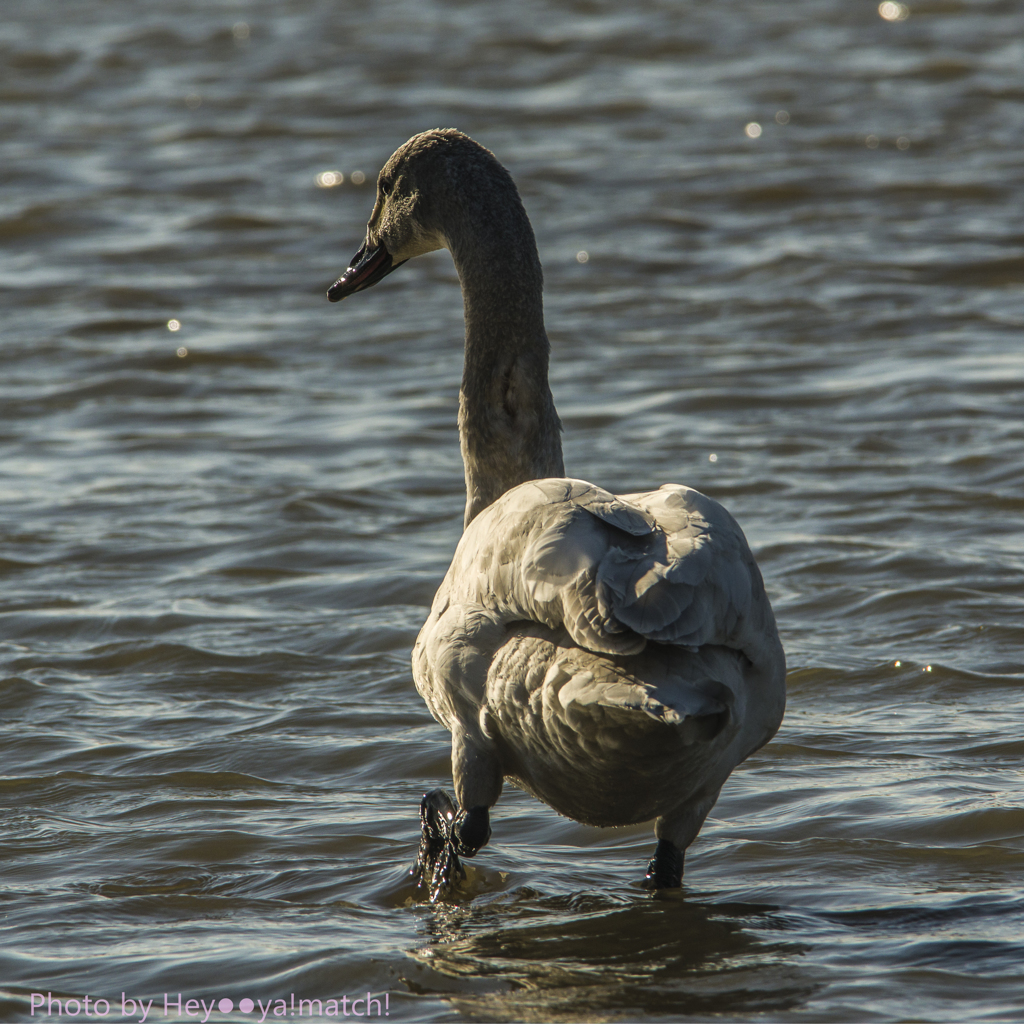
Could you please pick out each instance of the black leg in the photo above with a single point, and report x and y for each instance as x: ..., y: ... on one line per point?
x: 665, y: 870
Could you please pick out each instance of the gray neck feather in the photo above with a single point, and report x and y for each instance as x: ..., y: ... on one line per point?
x: 508, y: 427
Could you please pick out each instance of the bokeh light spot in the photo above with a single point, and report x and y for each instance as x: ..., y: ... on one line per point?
x: 894, y: 12
x: 328, y: 179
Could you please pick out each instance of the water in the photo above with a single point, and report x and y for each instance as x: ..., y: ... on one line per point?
x: 218, y: 543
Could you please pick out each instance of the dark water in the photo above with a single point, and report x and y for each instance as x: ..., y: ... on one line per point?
x: 214, y: 563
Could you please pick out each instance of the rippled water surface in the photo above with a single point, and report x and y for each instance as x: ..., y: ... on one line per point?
x: 217, y: 544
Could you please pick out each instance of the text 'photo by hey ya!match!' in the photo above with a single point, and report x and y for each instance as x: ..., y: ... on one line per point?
x: 203, y: 1009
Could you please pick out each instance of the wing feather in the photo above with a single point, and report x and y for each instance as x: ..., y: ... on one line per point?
x: 669, y: 566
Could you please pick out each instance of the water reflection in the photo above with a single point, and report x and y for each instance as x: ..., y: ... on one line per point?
x: 526, y: 956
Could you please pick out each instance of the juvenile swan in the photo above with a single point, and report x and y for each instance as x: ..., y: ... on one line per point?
x: 616, y: 657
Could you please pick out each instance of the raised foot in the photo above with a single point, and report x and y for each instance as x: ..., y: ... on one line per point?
x: 437, y: 866
x: 444, y: 835
x: 665, y: 870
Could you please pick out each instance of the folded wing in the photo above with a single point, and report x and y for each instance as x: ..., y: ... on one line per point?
x: 669, y: 566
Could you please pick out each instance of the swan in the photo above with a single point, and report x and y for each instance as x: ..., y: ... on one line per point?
x: 615, y: 656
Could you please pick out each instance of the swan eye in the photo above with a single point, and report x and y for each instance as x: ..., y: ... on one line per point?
x: 385, y: 187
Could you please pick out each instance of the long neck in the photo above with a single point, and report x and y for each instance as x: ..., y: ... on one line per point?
x: 508, y: 427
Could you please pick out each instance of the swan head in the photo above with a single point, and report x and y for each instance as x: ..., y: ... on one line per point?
x: 422, y: 191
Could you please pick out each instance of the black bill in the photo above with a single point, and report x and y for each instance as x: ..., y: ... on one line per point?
x: 367, y: 268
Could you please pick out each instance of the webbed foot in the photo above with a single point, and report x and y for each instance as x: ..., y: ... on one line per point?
x: 665, y: 870
x: 445, y: 834
x: 437, y: 866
